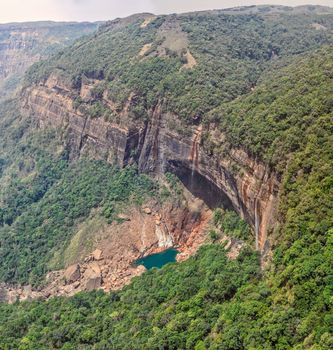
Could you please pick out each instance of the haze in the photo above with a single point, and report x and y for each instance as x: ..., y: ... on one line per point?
x: 94, y: 10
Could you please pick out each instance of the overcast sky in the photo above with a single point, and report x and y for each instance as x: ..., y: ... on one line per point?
x: 93, y: 10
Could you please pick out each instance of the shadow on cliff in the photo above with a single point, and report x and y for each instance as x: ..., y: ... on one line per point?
x: 199, y: 186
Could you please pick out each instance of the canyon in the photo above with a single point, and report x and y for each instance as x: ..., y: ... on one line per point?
x: 157, y: 146
x: 204, y: 135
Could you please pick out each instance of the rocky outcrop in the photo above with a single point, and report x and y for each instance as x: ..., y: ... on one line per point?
x: 53, y: 107
x: 93, y: 276
x: 72, y: 273
x: 232, y: 179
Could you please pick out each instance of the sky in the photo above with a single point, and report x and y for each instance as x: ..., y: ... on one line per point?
x: 95, y: 10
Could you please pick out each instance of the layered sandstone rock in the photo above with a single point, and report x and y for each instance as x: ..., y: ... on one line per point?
x: 72, y: 273
x: 156, y: 147
x: 93, y: 276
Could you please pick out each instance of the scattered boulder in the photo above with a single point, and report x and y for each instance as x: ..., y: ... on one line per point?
x: 93, y: 277
x: 97, y: 254
x: 93, y: 283
x: 76, y: 284
x: 72, y: 273
x: 123, y: 217
x: 147, y: 210
x: 140, y: 269
x: 69, y: 289
x: 88, y: 259
x: 27, y: 289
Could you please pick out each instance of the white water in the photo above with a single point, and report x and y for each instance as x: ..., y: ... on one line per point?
x: 195, y: 154
x: 193, y: 167
x: 256, y: 222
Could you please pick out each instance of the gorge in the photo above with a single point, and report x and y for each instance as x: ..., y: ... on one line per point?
x: 157, y: 148
x: 203, y: 139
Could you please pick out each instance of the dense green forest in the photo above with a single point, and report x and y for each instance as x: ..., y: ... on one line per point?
x: 44, y: 196
x: 231, y: 52
x: 271, y: 122
x: 173, y: 308
x: 210, y: 302
x: 46, y: 225
x: 265, y: 80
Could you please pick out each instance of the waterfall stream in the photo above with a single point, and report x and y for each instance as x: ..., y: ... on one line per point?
x: 195, y: 153
x: 256, y: 222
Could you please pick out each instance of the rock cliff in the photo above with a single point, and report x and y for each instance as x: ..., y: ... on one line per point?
x: 25, y: 43
x: 233, y: 179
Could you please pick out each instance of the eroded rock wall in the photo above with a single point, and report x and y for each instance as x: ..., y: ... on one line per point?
x: 156, y: 146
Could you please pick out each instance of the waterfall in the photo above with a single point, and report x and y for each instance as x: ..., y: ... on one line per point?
x: 194, y: 158
x: 195, y: 153
x: 257, y: 210
x: 162, y: 161
x: 256, y: 222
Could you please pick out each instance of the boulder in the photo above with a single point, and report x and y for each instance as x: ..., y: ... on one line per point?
x: 123, y: 217
x: 72, y: 273
x: 93, y: 277
x: 97, y: 254
x: 147, y: 210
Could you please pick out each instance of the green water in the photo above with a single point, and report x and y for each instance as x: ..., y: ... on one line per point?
x: 158, y: 260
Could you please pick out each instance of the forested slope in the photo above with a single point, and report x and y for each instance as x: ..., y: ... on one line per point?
x: 289, y: 307
x: 229, y: 53
x: 264, y: 82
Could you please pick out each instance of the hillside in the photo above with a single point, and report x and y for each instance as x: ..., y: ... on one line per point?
x: 151, y: 100
x: 210, y: 132
x: 214, y: 55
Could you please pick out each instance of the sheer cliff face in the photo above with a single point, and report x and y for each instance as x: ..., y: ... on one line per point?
x: 134, y: 70
x: 23, y: 44
x: 13, y: 55
x: 233, y: 179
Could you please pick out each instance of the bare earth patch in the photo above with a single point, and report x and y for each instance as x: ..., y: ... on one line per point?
x: 191, y: 61
x: 145, y: 49
x: 146, y: 22
x: 318, y: 26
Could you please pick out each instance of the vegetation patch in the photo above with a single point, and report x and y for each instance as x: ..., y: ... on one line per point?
x: 172, y: 308
x: 46, y: 226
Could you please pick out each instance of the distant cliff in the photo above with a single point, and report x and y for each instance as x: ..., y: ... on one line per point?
x: 22, y: 44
